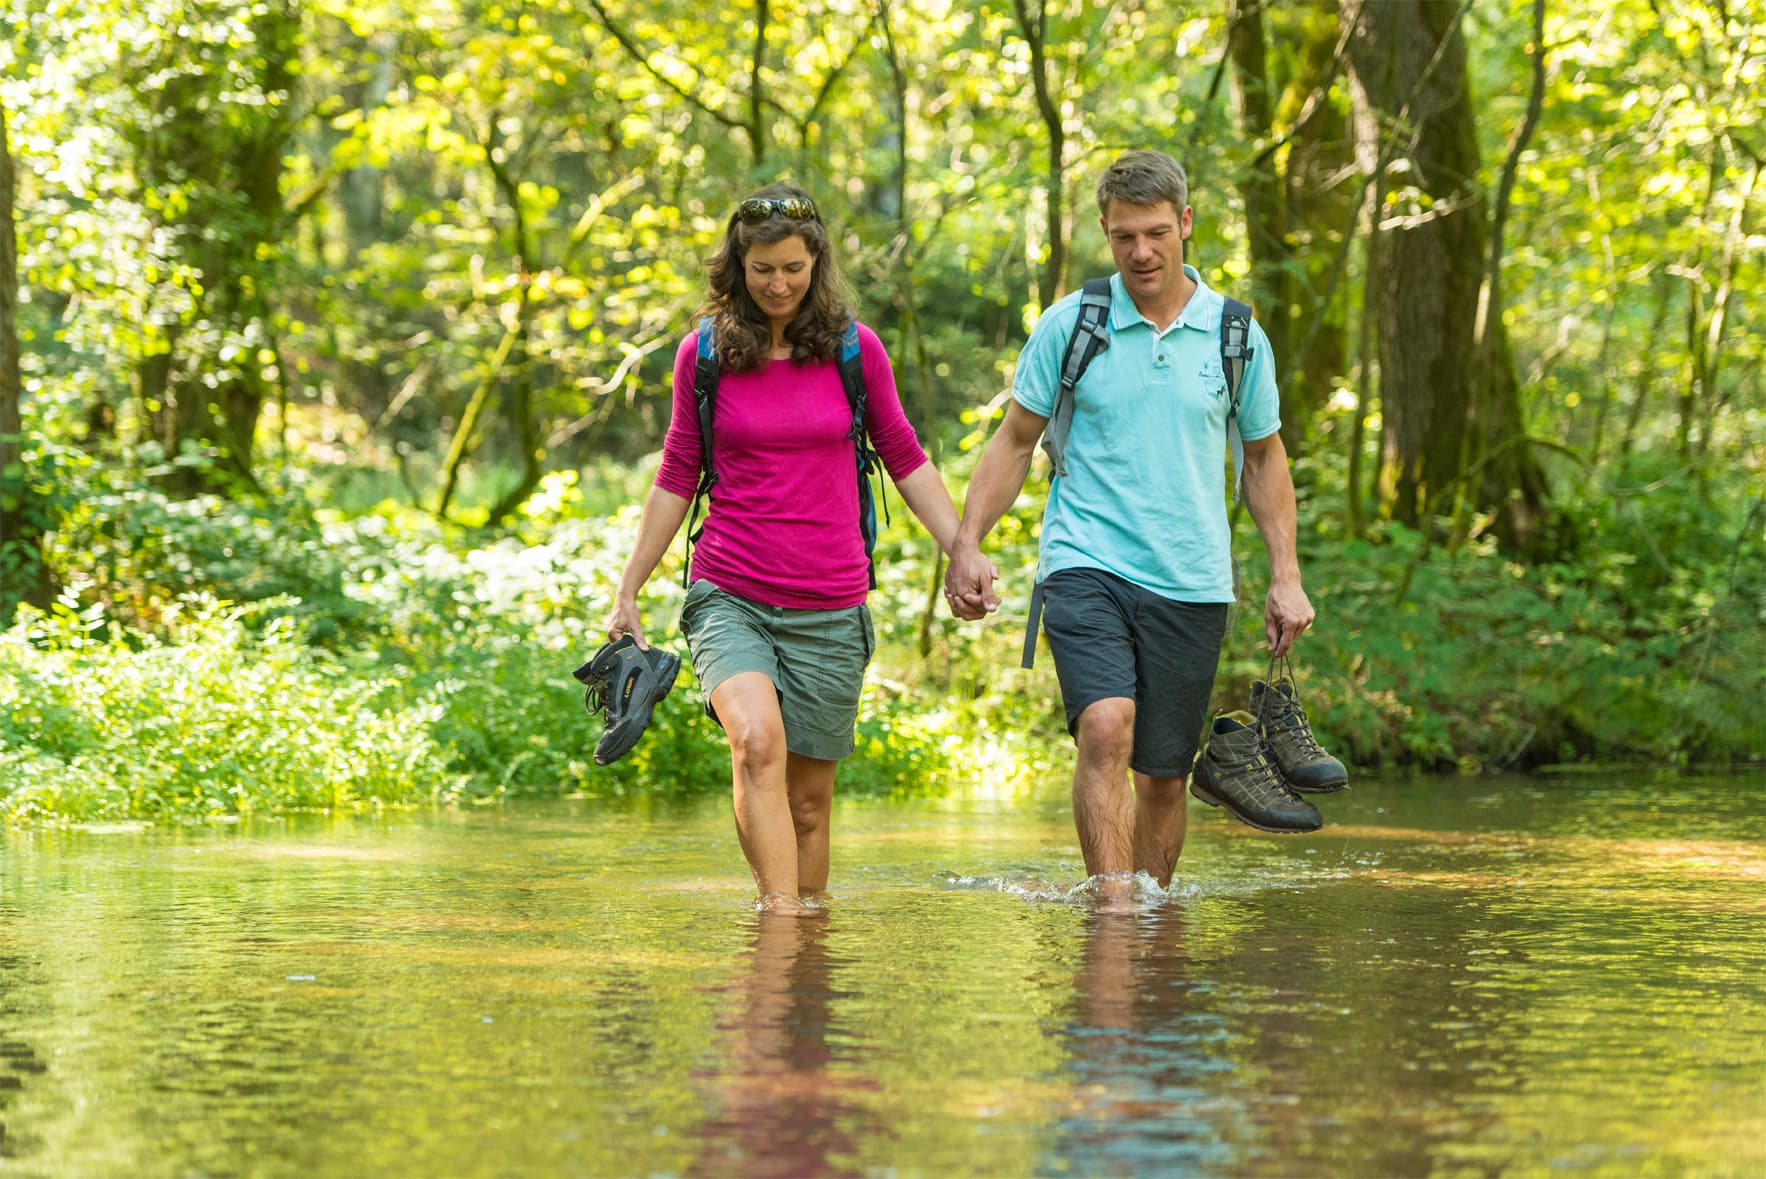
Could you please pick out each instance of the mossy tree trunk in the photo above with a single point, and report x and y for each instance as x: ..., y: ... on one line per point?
x: 1441, y: 383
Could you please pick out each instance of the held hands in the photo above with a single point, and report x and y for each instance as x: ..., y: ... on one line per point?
x: 1286, y: 613
x: 624, y: 620
x: 968, y: 585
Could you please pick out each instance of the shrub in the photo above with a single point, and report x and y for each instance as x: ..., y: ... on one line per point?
x: 213, y: 718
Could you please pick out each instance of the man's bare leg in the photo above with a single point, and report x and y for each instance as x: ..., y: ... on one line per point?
x: 1161, y: 817
x: 809, y: 784
x: 1103, y: 807
x: 748, y: 706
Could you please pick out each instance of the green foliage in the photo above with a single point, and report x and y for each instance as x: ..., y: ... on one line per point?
x: 454, y: 681
x: 144, y: 553
x: 445, y: 660
x: 1646, y: 647
x: 215, y: 718
x: 341, y: 223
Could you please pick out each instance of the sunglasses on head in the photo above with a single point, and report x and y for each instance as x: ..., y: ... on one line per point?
x: 757, y: 209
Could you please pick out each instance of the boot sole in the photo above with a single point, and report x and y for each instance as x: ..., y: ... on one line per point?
x: 1197, y: 790
x: 1331, y: 788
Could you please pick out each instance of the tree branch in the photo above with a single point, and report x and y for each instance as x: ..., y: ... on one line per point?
x: 1490, y: 298
x: 826, y: 89
x: 638, y: 55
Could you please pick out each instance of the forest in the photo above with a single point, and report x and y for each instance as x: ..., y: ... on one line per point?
x: 335, y: 348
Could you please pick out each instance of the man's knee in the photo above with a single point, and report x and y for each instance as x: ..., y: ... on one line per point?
x: 1105, y: 732
x: 1161, y: 791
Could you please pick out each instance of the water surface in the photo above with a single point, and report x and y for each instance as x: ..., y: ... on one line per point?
x: 1463, y: 977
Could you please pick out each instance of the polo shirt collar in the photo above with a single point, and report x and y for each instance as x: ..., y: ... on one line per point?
x: 1202, y: 312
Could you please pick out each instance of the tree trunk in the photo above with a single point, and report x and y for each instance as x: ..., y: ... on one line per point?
x: 208, y: 387
x: 511, y: 356
x: 361, y: 197
x: 21, y: 564
x: 1647, y: 370
x: 1265, y: 211
x: 1054, y: 271
x: 1321, y: 210
x: 1512, y: 482
x: 757, y: 86
x: 1408, y: 74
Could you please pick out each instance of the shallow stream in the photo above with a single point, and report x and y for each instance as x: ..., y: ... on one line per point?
x: 1456, y: 977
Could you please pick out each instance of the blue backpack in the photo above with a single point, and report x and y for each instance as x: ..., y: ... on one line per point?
x: 707, y: 370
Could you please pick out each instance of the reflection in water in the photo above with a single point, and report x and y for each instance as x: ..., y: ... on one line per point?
x: 776, y: 1104
x: 19, y: 1062
x: 1465, y: 981
x: 1144, y: 1059
x: 1282, y: 1033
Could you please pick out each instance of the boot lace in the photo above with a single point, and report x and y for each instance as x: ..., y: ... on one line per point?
x: 1261, y: 780
x: 1278, y: 710
x: 1265, y: 782
x: 595, y: 696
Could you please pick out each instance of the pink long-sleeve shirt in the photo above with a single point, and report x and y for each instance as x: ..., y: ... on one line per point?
x: 782, y: 522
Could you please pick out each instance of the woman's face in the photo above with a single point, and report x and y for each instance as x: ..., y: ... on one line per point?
x: 778, y: 275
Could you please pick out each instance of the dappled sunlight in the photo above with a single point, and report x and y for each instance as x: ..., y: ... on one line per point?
x: 1552, y: 854
x: 299, y: 852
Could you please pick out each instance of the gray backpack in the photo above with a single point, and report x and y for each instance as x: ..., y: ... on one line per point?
x: 1091, y: 335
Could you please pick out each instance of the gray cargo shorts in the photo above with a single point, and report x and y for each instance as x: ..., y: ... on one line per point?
x: 815, y: 658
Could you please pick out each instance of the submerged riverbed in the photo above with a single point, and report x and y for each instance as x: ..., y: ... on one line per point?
x: 1455, y: 977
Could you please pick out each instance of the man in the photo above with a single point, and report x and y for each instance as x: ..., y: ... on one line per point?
x: 1136, y: 549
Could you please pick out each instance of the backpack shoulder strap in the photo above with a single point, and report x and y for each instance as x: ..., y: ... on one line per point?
x: 1235, y: 355
x: 1091, y: 335
x: 1235, y: 348
x: 852, y: 379
x: 706, y: 370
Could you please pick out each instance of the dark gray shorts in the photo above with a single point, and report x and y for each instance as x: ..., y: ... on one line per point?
x: 815, y: 658
x: 1110, y: 638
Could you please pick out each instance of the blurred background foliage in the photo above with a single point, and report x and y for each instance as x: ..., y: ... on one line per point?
x: 334, y: 349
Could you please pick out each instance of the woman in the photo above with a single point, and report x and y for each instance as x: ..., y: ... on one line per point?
x: 775, y: 614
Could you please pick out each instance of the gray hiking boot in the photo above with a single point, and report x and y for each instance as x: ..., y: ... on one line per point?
x: 1305, y: 766
x: 1235, y: 771
x: 624, y: 685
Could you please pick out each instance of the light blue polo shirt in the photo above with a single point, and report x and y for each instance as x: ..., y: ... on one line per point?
x: 1145, y: 492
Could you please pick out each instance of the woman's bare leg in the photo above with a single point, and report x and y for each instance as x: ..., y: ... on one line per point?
x: 809, y: 784
x: 748, y: 706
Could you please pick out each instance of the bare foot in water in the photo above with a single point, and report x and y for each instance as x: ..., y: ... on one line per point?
x: 784, y: 905
x: 1115, y: 892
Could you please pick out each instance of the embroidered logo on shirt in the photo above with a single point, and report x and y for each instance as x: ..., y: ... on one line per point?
x: 1213, y: 378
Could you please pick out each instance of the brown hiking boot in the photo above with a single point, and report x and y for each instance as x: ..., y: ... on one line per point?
x: 1305, y: 766
x: 1235, y: 771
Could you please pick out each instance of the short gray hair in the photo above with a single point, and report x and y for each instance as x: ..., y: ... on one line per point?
x: 1144, y: 178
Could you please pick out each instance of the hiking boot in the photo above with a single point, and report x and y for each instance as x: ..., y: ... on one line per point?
x: 1305, y: 766
x: 624, y: 685
x: 1235, y: 771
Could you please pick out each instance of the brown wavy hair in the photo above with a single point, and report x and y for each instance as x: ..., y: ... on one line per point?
x: 744, y: 336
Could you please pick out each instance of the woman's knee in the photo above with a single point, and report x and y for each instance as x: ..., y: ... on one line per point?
x: 756, y: 744
x: 809, y: 813
x: 810, y: 788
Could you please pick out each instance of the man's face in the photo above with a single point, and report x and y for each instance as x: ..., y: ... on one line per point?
x: 1147, y: 242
